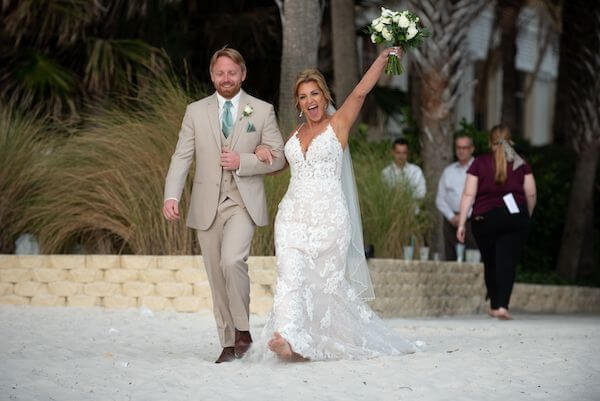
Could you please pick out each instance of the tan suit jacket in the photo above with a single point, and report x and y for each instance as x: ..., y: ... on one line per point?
x: 200, y: 135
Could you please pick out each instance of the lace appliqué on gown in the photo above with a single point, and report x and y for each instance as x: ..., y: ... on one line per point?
x: 315, y: 309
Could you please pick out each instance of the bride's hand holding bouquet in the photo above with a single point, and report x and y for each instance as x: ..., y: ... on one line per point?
x: 397, y: 29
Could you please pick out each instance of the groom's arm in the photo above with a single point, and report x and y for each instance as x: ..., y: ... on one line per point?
x: 271, y: 137
x: 181, y: 159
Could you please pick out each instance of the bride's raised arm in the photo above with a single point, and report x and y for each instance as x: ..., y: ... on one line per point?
x: 347, y: 114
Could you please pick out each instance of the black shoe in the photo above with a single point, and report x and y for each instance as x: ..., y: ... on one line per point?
x: 227, y: 355
x: 243, y: 341
x: 369, y: 251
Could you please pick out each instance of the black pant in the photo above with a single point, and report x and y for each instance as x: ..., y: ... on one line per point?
x: 450, y: 240
x: 500, y: 236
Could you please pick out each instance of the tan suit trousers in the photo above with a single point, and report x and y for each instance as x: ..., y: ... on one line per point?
x: 225, y: 249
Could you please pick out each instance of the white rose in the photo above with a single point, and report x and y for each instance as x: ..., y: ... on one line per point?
x: 248, y: 110
x: 396, y: 19
x: 374, y: 37
x: 387, y: 20
x: 412, y: 31
x: 379, y: 27
x: 403, y: 22
x: 386, y: 12
x: 375, y: 21
x: 387, y: 35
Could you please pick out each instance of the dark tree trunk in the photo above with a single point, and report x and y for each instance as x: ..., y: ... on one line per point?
x: 507, y: 11
x: 436, y: 146
x: 573, y: 12
x: 581, y: 90
x: 581, y: 204
x: 301, y: 22
x: 345, y: 55
x: 439, y: 63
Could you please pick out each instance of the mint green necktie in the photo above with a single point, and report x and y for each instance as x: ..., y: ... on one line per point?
x: 227, y: 118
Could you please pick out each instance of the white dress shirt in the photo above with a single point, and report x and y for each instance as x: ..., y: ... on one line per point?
x: 450, y: 189
x: 235, y: 101
x: 411, y: 173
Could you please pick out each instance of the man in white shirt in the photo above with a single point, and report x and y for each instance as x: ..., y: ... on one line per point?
x: 401, y: 171
x: 450, y: 189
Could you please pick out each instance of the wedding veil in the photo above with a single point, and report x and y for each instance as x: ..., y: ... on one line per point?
x: 357, y: 270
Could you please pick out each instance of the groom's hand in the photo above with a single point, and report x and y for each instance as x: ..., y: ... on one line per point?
x: 230, y: 160
x: 171, y: 210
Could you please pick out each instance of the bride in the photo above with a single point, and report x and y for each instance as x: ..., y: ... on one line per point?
x: 319, y: 309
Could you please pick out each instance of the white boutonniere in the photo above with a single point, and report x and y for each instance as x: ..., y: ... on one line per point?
x: 248, y: 110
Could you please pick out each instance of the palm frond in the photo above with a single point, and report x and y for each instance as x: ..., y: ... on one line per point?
x: 45, y: 21
x: 33, y: 79
x: 112, y: 63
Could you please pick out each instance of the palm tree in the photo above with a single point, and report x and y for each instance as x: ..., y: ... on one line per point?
x: 301, y: 23
x: 507, y: 13
x: 581, y: 64
x: 42, y: 43
x: 345, y: 55
x: 440, y: 63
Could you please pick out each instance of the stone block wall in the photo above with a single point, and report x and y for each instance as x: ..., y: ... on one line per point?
x: 180, y: 283
x: 426, y: 288
x: 126, y: 281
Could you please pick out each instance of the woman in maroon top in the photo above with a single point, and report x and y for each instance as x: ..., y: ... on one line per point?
x: 501, y: 188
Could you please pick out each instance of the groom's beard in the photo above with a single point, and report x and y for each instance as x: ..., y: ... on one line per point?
x: 228, y: 89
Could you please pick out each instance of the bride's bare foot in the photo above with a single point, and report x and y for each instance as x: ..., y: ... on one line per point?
x: 283, y: 349
x: 492, y: 312
x: 278, y: 345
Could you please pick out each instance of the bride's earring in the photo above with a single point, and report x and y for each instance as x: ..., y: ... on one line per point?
x: 300, y: 115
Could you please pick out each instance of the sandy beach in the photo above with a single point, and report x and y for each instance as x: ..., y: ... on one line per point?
x: 100, y: 354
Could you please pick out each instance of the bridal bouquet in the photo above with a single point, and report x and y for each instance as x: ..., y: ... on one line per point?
x: 396, y: 29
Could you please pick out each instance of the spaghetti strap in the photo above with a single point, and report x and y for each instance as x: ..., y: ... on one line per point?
x: 295, y: 133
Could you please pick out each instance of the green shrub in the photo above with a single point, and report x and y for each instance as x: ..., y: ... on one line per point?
x: 388, y: 214
x: 553, y: 167
x: 103, y: 188
x: 23, y: 140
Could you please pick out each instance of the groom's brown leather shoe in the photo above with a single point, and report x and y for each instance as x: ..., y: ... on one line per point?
x: 227, y: 355
x: 243, y: 341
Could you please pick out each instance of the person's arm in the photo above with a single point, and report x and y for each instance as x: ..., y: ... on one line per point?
x: 440, y: 199
x: 178, y: 169
x: 265, y: 155
x: 530, y: 192
x: 348, y: 112
x: 271, y: 137
x: 420, y: 187
x: 466, y: 201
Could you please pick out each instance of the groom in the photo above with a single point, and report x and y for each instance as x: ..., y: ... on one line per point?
x: 228, y: 198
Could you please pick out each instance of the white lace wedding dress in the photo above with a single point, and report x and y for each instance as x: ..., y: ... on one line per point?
x: 315, y: 308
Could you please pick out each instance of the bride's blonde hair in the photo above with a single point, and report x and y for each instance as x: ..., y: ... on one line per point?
x: 312, y: 75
